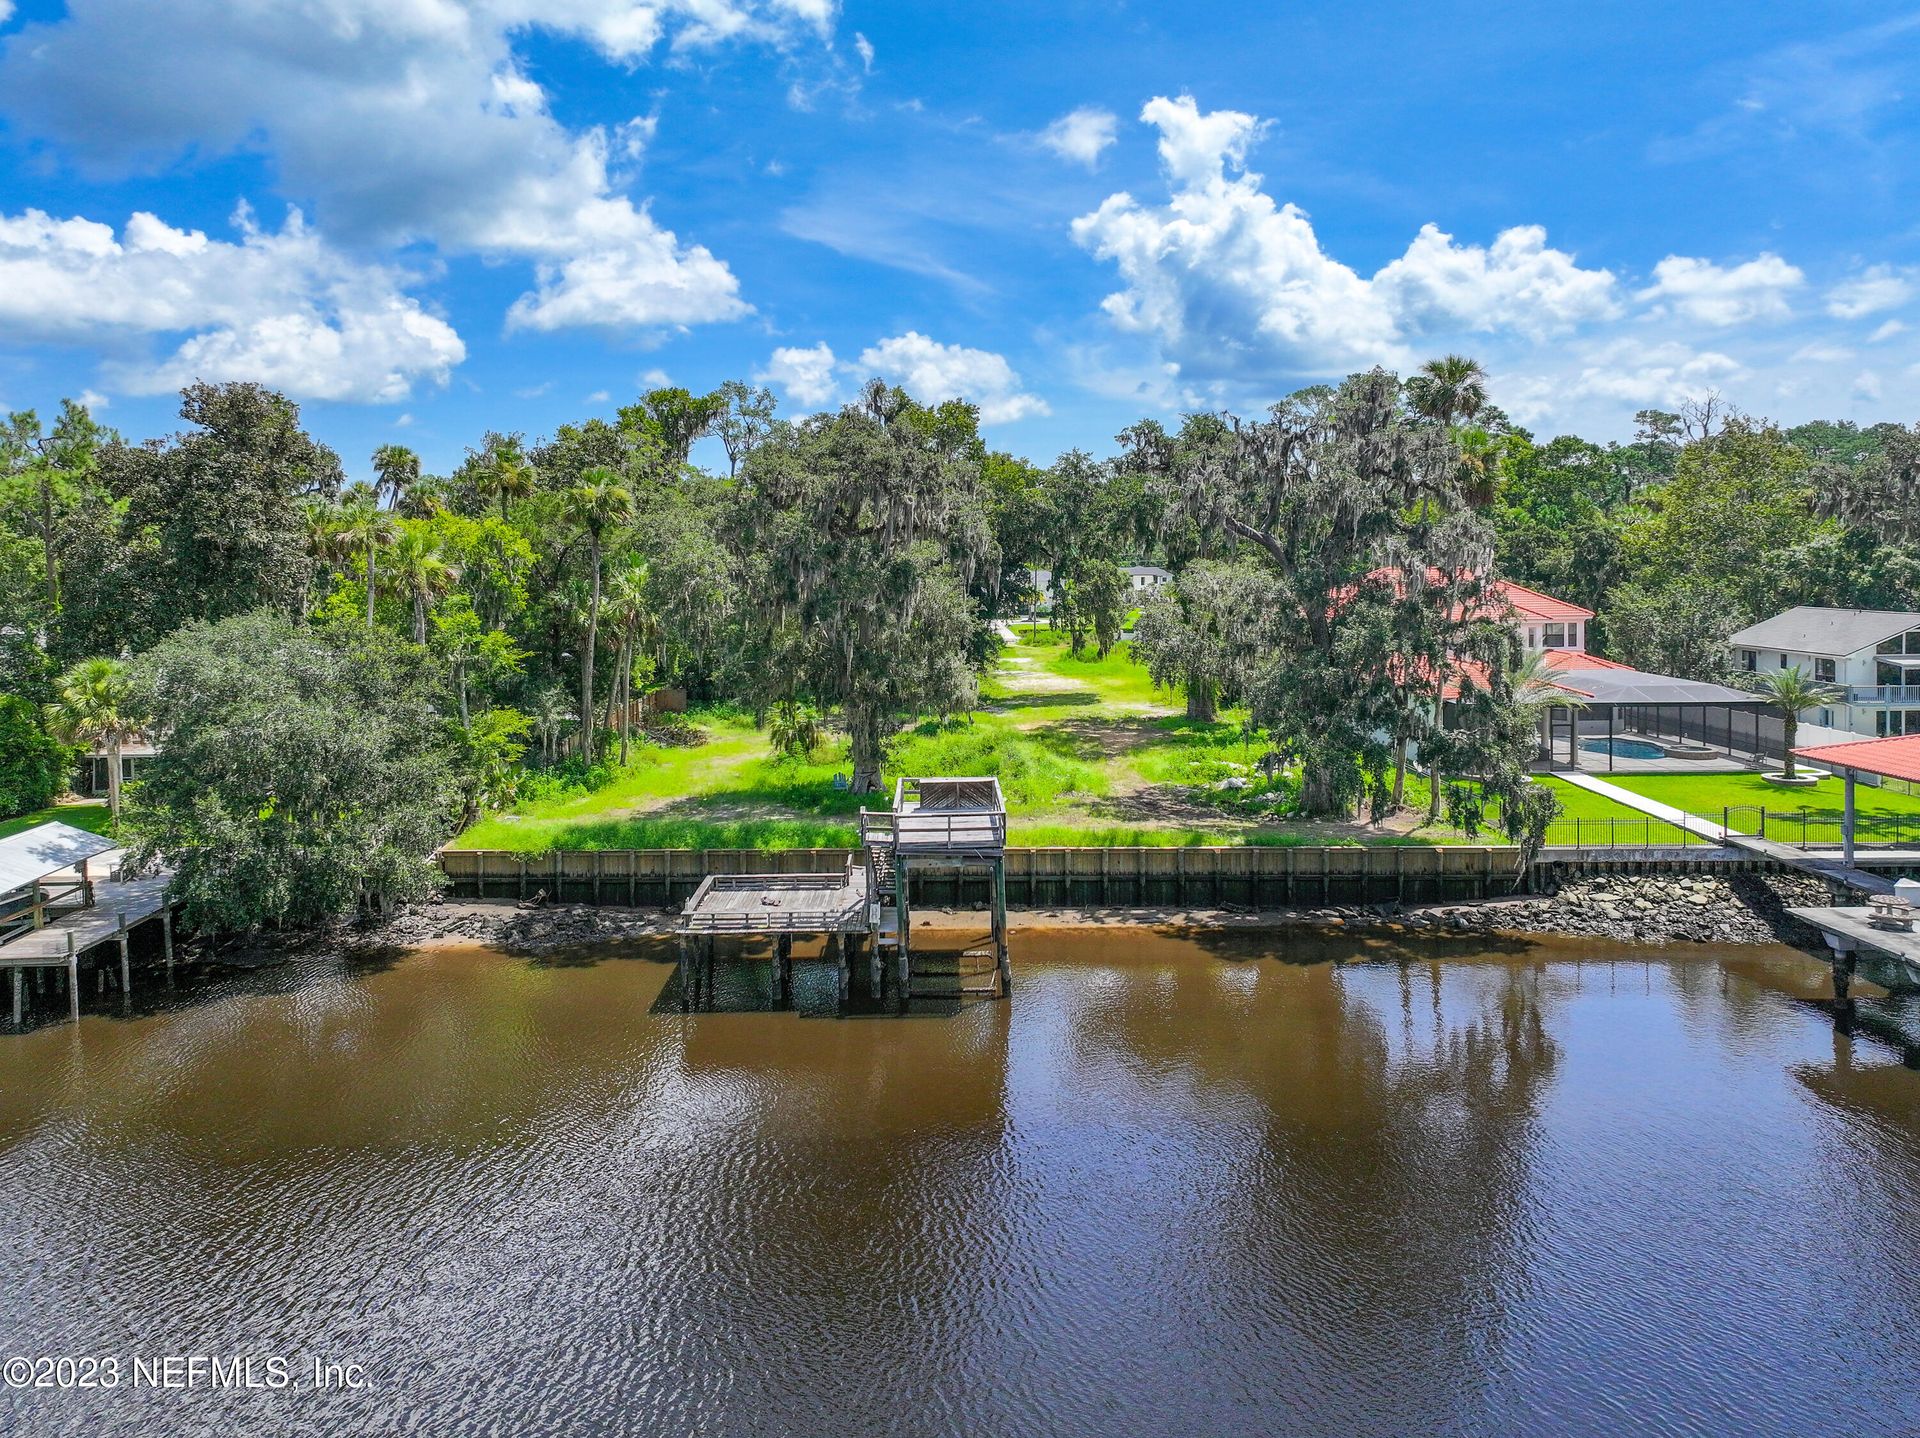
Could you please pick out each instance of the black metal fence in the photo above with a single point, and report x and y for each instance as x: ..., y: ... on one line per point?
x: 1620, y: 834
x: 1821, y: 829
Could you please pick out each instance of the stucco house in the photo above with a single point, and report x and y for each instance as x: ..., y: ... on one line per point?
x: 1871, y: 656
x: 1145, y: 578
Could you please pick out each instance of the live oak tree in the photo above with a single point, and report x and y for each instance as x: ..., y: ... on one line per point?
x: 744, y: 420
x: 304, y: 771
x: 213, y: 524
x: 1321, y: 493
x: 857, y: 535
x: 1201, y: 634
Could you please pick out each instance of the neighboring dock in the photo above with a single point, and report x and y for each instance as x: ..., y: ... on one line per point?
x: 53, y: 910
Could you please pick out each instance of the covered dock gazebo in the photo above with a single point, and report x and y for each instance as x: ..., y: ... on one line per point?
x: 1896, y: 758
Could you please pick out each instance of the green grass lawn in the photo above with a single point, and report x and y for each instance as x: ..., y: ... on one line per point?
x: 1882, y: 813
x: 91, y: 817
x: 1629, y: 826
x: 1087, y: 752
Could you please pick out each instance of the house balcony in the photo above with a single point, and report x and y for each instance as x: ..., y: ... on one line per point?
x: 1888, y: 694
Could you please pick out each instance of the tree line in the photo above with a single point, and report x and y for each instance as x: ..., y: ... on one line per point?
x: 342, y: 674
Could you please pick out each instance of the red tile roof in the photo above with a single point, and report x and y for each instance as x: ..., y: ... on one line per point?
x: 1532, y: 604
x: 1578, y: 659
x: 1475, y: 673
x: 1896, y: 758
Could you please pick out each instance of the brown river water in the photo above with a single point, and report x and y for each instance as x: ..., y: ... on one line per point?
x: 1181, y: 1185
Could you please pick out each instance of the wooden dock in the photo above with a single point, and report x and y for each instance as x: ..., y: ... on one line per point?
x: 958, y: 824
x: 117, y: 907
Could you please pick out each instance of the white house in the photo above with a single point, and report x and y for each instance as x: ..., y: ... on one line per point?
x: 1870, y: 656
x: 1142, y: 580
x: 1543, y: 622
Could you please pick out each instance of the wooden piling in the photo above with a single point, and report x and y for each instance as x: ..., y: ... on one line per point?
x: 1002, y: 959
x: 126, y: 969
x: 73, y: 979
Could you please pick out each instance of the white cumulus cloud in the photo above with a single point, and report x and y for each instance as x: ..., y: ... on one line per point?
x: 405, y: 120
x: 284, y: 308
x: 806, y: 374
x: 1080, y: 135
x: 1518, y: 283
x: 932, y: 372
x: 1723, y: 295
x: 1877, y: 288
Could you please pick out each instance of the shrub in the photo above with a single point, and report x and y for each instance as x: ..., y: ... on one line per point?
x: 33, y: 764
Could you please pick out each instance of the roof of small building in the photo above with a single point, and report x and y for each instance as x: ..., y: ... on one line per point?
x: 1152, y: 570
x: 45, y: 849
x: 1896, y: 758
x: 1808, y: 629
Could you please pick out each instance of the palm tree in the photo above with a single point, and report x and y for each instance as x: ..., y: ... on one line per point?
x: 508, y: 477
x: 93, y: 706
x: 366, y: 526
x: 597, y: 503
x: 1450, y: 389
x: 1536, y: 691
x: 1479, y: 467
x: 632, y: 617
x: 1793, y: 694
x: 322, y: 533
x: 398, y: 471
x: 549, y: 713
x: 420, y: 573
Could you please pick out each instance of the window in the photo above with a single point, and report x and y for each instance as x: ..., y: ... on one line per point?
x: 1890, y: 722
x: 1783, y: 662
x: 1823, y: 671
x: 1890, y: 646
x: 1749, y: 660
x: 1913, y: 641
x: 1555, y: 636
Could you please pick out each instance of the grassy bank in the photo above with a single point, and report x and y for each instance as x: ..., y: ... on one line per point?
x: 1087, y: 752
x: 91, y: 817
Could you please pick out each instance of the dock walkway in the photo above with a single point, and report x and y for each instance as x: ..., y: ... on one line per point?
x: 1822, y: 865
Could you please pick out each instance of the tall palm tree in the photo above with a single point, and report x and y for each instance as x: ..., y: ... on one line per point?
x: 93, y: 706
x: 364, y: 526
x: 632, y: 617
x: 1793, y: 694
x: 1451, y: 389
x: 598, y: 503
x: 420, y: 573
x: 398, y: 470
x: 508, y: 477
x: 1479, y: 467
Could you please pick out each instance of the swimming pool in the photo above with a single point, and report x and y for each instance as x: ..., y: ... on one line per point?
x: 1624, y: 748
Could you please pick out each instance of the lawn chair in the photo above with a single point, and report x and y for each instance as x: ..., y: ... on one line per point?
x: 841, y: 783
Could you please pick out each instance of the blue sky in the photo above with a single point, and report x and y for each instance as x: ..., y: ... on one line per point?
x: 425, y: 219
